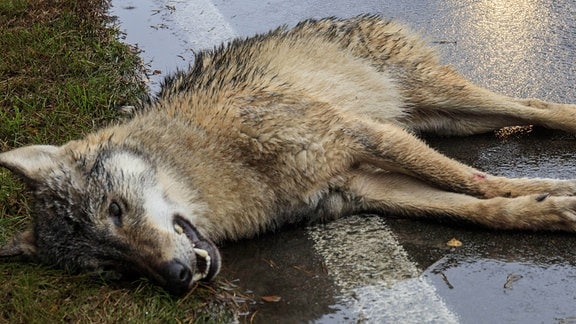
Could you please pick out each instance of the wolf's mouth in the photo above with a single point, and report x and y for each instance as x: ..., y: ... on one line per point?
x: 207, y: 255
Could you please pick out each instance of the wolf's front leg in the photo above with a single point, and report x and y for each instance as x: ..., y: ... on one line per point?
x: 391, y: 148
x: 403, y: 195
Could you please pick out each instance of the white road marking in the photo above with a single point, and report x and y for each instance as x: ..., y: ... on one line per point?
x: 203, y: 23
x: 378, y: 281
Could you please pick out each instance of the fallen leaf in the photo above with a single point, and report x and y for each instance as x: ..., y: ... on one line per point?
x: 271, y: 299
x: 454, y: 243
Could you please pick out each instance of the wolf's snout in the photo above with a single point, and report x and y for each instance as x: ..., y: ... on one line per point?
x: 178, y: 277
x: 205, y: 252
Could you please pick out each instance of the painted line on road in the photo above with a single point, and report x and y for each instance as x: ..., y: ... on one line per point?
x: 203, y: 23
x: 379, y: 282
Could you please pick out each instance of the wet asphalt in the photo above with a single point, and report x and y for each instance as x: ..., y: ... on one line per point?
x: 389, y: 269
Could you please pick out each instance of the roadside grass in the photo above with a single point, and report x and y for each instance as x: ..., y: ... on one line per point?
x: 62, y: 72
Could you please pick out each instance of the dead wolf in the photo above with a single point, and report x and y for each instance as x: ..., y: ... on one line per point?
x: 312, y: 123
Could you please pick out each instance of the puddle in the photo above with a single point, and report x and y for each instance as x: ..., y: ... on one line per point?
x: 395, y: 270
x: 465, y: 282
x: 495, y: 276
x: 350, y: 270
x: 282, y: 264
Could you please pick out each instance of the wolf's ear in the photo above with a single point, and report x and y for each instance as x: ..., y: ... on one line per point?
x: 31, y: 162
x: 21, y: 244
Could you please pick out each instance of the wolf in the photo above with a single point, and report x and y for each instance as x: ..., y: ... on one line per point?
x: 302, y: 124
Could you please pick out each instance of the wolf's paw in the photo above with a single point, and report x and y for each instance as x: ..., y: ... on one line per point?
x: 564, y: 213
x: 539, y: 212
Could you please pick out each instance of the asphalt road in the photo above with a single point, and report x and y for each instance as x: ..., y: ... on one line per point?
x: 386, y: 269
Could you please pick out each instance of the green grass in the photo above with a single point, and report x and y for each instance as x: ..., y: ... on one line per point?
x: 62, y: 72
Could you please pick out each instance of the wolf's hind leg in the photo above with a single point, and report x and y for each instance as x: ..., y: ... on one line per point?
x: 403, y: 195
x: 445, y: 103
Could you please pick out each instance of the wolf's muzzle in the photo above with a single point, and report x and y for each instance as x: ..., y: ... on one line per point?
x: 207, y: 260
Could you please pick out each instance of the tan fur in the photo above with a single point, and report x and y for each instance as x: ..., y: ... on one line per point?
x: 318, y: 122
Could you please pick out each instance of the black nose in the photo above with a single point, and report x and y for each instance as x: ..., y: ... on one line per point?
x: 177, y: 277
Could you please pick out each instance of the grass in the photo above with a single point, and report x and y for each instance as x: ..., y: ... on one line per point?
x: 62, y: 72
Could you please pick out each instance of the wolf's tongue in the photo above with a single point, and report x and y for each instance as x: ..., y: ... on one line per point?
x: 207, y: 255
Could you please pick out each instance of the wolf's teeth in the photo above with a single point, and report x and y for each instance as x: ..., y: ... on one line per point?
x: 201, y: 253
x: 178, y: 229
x: 204, y: 255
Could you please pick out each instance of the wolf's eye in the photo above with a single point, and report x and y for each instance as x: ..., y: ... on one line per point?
x: 115, y: 212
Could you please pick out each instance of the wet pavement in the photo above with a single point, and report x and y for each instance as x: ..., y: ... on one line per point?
x: 387, y: 269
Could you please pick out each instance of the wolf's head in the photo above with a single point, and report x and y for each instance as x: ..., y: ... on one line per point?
x: 111, y: 208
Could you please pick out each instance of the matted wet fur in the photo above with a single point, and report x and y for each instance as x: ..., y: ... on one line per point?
x: 310, y: 123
